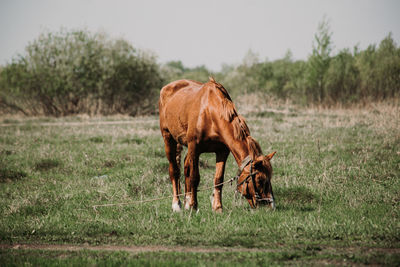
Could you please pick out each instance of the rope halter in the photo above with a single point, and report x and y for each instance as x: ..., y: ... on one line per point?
x: 246, y: 161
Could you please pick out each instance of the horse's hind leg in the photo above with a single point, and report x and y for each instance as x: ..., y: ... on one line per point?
x: 172, y: 149
x: 178, y: 154
x: 192, y: 177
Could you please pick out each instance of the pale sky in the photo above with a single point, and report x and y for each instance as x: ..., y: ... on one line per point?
x: 203, y: 32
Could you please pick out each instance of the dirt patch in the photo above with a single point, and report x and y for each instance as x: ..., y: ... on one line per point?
x: 132, y: 249
x: 140, y: 249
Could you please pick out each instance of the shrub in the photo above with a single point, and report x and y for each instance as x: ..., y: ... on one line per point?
x: 71, y: 72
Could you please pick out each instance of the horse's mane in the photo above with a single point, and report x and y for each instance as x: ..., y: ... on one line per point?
x: 240, y: 129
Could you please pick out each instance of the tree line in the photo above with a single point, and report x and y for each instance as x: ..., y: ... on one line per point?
x: 71, y: 72
x: 347, y: 77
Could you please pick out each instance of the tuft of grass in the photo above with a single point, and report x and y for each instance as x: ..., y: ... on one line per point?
x: 297, y: 194
x: 133, y: 140
x: 110, y: 163
x: 6, y: 152
x: 10, y: 121
x: 268, y: 114
x: 8, y: 175
x: 47, y: 164
x: 205, y: 164
x: 96, y: 139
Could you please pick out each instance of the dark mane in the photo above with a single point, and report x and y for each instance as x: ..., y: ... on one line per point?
x: 240, y: 128
x: 221, y: 88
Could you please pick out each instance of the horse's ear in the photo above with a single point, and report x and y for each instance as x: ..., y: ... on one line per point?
x: 269, y: 156
x: 211, y: 79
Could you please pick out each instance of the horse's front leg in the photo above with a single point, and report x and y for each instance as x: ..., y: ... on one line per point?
x: 219, y: 179
x: 192, y: 177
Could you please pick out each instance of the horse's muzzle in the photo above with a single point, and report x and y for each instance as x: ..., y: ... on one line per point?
x: 267, y: 202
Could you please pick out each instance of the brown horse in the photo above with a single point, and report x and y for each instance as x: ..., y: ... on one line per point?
x: 203, y: 118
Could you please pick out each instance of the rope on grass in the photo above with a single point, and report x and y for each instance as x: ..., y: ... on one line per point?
x: 156, y: 199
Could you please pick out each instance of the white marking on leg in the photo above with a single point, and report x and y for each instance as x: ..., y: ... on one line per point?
x: 187, y: 201
x: 176, y: 206
x: 273, y: 203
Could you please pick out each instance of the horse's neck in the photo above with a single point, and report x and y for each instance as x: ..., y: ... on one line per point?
x: 239, y: 150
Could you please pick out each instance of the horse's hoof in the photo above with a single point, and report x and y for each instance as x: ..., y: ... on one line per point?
x: 187, y: 201
x: 218, y: 210
x: 176, y: 207
x: 191, y: 208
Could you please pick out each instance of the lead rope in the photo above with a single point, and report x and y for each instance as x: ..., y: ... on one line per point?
x: 244, y: 163
x: 160, y: 198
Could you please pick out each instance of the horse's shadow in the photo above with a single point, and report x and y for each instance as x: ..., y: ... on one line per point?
x: 297, y: 198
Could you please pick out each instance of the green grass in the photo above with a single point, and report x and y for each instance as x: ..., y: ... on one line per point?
x: 336, y: 183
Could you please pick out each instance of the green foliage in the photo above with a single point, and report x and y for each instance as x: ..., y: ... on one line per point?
x: 78, y: 72
x: 342, y: 79
x: 380, y: 70
x: 175, y: 70
x: 318, y: 63
x: 248, y: 77
x: 72, y: 72
x: 282, y: 78
x: 346, y: 78
x: 286, y: 81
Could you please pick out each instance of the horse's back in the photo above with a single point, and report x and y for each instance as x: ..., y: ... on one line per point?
x: 177, y: 106
x: 191, y: 110
x: 168, y: 91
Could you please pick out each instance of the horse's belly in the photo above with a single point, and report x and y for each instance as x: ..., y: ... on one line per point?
x: 176, y: 128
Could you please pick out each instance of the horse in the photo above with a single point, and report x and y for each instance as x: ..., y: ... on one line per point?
x: 203, y: 118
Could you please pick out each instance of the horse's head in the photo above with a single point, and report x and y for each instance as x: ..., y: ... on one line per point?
x: 254, y: 181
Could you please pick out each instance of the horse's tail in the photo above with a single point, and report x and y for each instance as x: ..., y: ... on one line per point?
x: 178, y: 154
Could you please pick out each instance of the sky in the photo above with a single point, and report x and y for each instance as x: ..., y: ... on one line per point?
x: 205, y: 32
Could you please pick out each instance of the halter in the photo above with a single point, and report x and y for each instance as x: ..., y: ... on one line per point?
x: 246, y: 161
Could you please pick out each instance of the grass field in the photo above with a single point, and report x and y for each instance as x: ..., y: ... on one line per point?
x: 336, y: 183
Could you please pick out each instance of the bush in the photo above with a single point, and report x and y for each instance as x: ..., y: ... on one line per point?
x: 342, y: 79
x: 71, y: 72
x: 380, y: 70
x: 175, y: 70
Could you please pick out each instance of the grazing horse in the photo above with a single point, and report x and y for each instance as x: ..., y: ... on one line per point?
x: 203, y: 118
